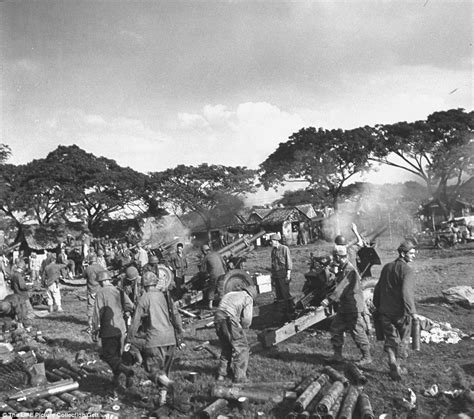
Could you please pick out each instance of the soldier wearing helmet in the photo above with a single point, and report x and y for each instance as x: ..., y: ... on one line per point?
x: 108, y: 322
x: 179, y: 265
x: 152, y: 265
x: 232, y: 318
x: 160, y: 321
x: 131, y: 283
x: 12, y: 308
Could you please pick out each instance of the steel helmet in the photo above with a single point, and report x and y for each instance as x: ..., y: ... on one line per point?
x: 340, y: 240
x: 131, y: 273
x: 5, y: 307
x: 149, y: 278
x: 153, y: 259
x: 103, y: 276
x: 251, y: 290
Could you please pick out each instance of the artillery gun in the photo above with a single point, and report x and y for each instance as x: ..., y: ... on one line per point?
x: 234, y: 256
x: 320, y: 283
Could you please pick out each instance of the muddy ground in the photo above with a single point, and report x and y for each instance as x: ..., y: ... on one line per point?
x: 450, y: 366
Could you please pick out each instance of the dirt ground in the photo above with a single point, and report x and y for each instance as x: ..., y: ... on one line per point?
x: 450, y: 366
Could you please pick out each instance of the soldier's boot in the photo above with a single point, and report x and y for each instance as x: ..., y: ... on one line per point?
x: 366, y: 358
x: 337, y: 357
x: 402, y: 351
x: 395, y: 370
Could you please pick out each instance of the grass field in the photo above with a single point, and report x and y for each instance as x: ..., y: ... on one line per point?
x: 450, y: 366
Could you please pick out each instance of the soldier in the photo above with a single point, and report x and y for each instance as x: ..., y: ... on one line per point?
x: 281, y: 273
x: 394, y: 300
x: 130, y: 283
x: 108, y: 321
x: 214, y: 266
x: 13, y: 308
x: 19, y: 287
x: 152, y: 265
x: 51, y: 276
x: 351, y: 306
x: 90, y: 274
x: 161, y: 323
x: 232, y: 318
x: 179, y: 265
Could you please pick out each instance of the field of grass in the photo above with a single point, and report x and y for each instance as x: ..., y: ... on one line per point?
x: 450, y: 366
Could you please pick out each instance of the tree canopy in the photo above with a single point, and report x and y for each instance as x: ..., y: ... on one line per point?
x: 204, y: 189
x: 439, y: 150
x: 70, y: 181
x: 326, y: 159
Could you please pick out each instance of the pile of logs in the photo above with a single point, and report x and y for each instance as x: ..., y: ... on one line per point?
x: 329, y: 394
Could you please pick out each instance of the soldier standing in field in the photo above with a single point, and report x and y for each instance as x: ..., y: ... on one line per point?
x: 160, y: 321
x: 111, y: 305
x: 90, y: 274
x: 179, y: 265
x: 281, y: 273
x: 214, y: 266
x: 394, y: 300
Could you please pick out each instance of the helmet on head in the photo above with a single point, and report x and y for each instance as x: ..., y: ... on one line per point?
x: 340, y: 240
x: 153, y: 259
x: 149, y: 278
x: 406, y: 246
x: 251, y: 290
x: 131, y: 273
x: 103, y: 276
x: 5, y: 307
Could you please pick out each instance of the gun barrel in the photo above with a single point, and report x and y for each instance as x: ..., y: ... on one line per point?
x: 240, y: 244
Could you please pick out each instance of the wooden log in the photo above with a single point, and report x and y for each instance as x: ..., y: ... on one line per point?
x: 17, y: 407
x: 69, y: 399
x: 286, y: 385
x: 365, y: 408
x: 357, y: 375
x: 70, y: 373
x: 46, y: 404
x: 253, y: 394
x: 270, y: 338
x: 80, y: 371
x: 330, y: 397
x: 79, y: 394
x: 62, y: 374
x: 334, y: 410
x: 211, y: 411
x: 314, y: 403
x: 310, y: 393
x: 335, y: 375
x: 304, y: 384
x: 51, y: 376
x: 349, y: 403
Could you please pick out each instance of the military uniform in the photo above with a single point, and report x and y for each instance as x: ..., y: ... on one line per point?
x: 232, y: 318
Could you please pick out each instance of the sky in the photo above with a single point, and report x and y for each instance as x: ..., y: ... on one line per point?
x: 154, y: 84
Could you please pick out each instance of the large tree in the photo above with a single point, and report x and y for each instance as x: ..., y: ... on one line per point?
x: 70, y: 181
x: 439, y: 150
x: 326, y: 159
x: 204, y: 189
